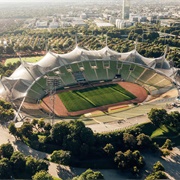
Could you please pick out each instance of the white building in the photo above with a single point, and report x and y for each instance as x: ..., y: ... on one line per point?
x: 125, y: 9
x: 101, y: 23
x: 54, y: 25
x: 122, y: 23
x: 42, y: 24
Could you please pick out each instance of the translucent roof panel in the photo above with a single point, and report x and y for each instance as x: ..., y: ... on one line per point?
x: 49, y: 60
x: 161, y: 62
x: 22, y: 73
x: 24, y: 77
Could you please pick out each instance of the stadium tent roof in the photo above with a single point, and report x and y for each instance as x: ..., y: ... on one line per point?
x: 17, y: 85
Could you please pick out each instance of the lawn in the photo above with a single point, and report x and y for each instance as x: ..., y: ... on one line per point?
x: 27, y: 59
x: 94, y: 97
x: 160, y: 134
x: 162, y: 130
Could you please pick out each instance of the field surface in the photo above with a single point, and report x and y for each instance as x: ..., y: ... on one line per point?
x: 27, y: 59
x: 76, y: 100
x: 134, y: 94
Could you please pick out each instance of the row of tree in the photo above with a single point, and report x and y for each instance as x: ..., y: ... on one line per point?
x: 71, y: 142
x: 63, y: 40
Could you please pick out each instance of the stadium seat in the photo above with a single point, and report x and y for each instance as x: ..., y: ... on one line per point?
x: 101, y: 71
x: 66, y: 76
x: 89, y: 72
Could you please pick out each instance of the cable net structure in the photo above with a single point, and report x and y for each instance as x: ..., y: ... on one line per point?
x: 30, y: 82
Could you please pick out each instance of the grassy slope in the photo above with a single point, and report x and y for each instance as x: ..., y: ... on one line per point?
x: 94, y: 97
x: 160, y: 134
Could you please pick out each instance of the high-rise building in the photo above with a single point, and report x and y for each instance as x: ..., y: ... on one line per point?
x: 126, y: 9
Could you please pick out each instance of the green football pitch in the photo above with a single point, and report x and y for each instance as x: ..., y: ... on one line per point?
x: 87, y: 98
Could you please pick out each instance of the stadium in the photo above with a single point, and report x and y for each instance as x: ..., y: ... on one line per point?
x: 39, y: 87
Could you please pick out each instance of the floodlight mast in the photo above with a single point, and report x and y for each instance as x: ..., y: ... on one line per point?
x: 52, y: 82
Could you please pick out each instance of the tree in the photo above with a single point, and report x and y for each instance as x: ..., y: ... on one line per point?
x: 129, y: 140
x: 143, y: 141
x: 41, y: 124
x: 120, y: 159
x: 156, y: 175
x: 61, y: 157
x: 84, y: 150
x: 12, y: 129
x: 31, y: 165
x: 42, y: 165
x: 9, y: 50
x: 90, y: 175
x: 129, y: 160
x: 158, y: 167
x: 18, y: 162
x: 8, y: 73
x: 47, y: 128
x: 7, y: 113
x: 6, y: 150
x: 167, y: 144
x: 175, y: 119
x: 5, y: 169
x: 158, y: 116
x: 42, y: 175
x: 59, y: 130
x: 26, y: 129
x: 34, y: 123
x: 158, y: 172
x: 86, y: 136
x: 109, y: 149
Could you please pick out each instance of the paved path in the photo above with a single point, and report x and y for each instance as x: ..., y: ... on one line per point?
x: 118, y: 124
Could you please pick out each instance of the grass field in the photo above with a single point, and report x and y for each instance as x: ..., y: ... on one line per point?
x: 160, y: 134
x: 27, y: 59
x: 94, y: 97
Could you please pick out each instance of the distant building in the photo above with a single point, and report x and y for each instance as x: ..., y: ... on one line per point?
x: 170, y: 23
x: 78, y: 23
x: 54, y: 25
x: 142, y: 19
x: 65, y: 24
x: 100, y: 23
x: 153, y: 19
x: 123, y: 24
x: 133, y: 18
x: 106, y: 16
x: 112, y: 20
x: 42, y: 24
x: 125, y: 9
x: 83, y: 16
x: 92, y: 15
